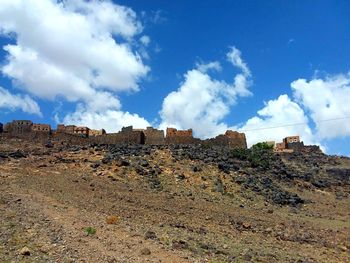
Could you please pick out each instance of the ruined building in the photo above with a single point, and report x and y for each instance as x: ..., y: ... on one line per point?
x: 232, y: 139
x: 18, y: 127
x: 41, y: 128
x: 93, y: 133
x: 174, y: 136
x: 82, y: 131
x: 289, y: 144
x: 72, y: 134
x: 153, y: 136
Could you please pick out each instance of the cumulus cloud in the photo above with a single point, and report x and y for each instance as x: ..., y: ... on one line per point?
x: 319, y: 110
x: 326, y: 100
x: 201, y: 102
x: 79, y: 50
x: 110, y: 120
x: 14, y: 102
x: 279, y: 118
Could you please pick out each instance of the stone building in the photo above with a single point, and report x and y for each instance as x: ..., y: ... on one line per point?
x: 291, y: 139
x: 289, y: 144
x: 66, y: 129
x: 70, y: 129
x: 41, y: 128
x: 174, y: 136
x: 18, y: 127
x: 82, y: 131
x: 153, y: 136
x: 172, y: 132
x: 61, y: 128
x: 93, y: 133
x: 232, y: 139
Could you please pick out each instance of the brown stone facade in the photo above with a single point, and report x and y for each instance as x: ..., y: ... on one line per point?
x: 81, y: 131
x: 41, y: 127
x: 231, y: 139
x: 71, y: 134
x: 18, y: 127
x: 154, y: 136
x: 174, y: 136
x: 289, y: 144
x: 93, y: 133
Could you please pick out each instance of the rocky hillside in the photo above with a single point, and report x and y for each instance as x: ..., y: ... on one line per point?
x: 177, y: 203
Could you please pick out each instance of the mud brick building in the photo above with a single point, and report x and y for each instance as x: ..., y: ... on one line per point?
x: 41, y: 128
x: 174, y: 136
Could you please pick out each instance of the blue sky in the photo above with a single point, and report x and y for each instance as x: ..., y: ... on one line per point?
x: 279, y: 42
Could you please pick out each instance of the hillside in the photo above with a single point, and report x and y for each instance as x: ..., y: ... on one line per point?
x: 179, y: 203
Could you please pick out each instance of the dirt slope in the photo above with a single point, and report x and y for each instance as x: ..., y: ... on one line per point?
x: 160, y: 204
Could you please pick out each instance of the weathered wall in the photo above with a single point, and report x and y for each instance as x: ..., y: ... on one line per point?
x: 130, y: 137
x: 182, y: 140
x: 231, y: 139
x: 172, y: 132
x: 154, y: 136
x: 19, y: 127
x: 174, y: 136
x: 296, y: 146
x: 41, y: 127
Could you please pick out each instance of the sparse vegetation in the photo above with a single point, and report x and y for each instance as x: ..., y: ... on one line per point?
x: 262, y: 146
x: 210, y: 204
x: 90, y: 230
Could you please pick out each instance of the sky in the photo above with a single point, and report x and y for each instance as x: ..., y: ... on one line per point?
x: 270, y: 69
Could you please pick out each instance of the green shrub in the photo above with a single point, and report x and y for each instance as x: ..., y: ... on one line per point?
x: 240, y: 153
x: 90, y: 230
x: 262, y: 146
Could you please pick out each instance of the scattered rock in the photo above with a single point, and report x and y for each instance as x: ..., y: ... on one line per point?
x: 112, y: 219
x: 145, y: 251
x: 150, y: 235
x: 179, y: 244
x: 24, y: 251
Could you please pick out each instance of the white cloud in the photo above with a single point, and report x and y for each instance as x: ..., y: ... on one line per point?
x: 235, y: 57
x: 204, y: 68
x: 276, y: 113
x: 326, y: 99
x: 145, y: 40
x: 201, y: 102
x: 71, y: 51
x: 14, y: 102
x: 110, y: 120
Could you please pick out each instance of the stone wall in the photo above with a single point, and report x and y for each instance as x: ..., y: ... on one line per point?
x: 174, y: 136
x: 130, y: 137
x: 231, y: 139
x: 295, y: 146
x: 172, y: 132
x: 41, y: 127
x: 19, y: 127
x: 154, y: 136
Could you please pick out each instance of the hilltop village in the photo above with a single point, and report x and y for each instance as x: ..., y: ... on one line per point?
x: 79, y: 135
